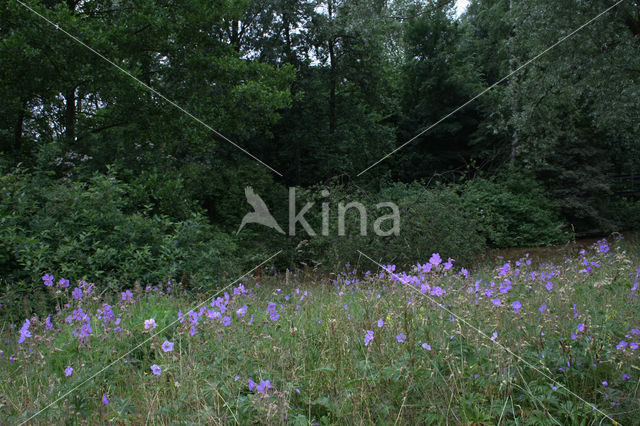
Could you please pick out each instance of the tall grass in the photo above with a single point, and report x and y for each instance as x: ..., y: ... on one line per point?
x: 574, y: 335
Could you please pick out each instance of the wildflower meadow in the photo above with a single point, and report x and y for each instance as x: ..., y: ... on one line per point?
x: 516, y: 342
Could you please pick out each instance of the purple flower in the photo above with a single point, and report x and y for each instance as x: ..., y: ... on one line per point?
x: 633, y: 346
x: 63, y: 283
x: 581, y: 327
x: 368, y: 337
x: 77, y: 293
x: 48, y: 280
x: 252, y: 384
x: 68, y: 371
x: 426, y: 346
x: 156, y: 370
x: 150, y: 324
x: 549, y: 285
x: 105, y: 401
x: 48, y: 323
x: 226, y: 321
x: 242, y: 311
x: 24, y: 331
x: 435, y: 259
x: 274, y: 315
x: 127, y: 295
x: 401, y: 338
x: 605, y: 383
x: 167, y: 346
x: 494, y: 336
x: 622, y: 345
x: 380, y: 323
x: 516, y: 306
x: 542, y: 308
x: 496, y: 302
x: 264, y: 386
x: 437, y: 291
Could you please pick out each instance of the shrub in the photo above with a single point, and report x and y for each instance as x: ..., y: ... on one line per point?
x: 92, y: 230
x: 513, y: 211
x: 431, y: 220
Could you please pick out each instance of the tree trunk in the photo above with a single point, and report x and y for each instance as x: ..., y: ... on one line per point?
x: 515, y: 139
x: 70, y: 116
x: 20, y: 125
x: 332, y: 76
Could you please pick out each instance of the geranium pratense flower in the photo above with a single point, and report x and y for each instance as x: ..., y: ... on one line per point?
x: 401, y: 338
x: 368, y: 337
x: 63, y: 283
x: 264, y: 386
x: 105, y: 401
x: 150, y: 324
x: 274, y: 315
x: 24, y: 331
x: 435, y: 259
x: 68, y: 371
x: 77, y: 293
x: 242, y: 311
x: 380, y: 323
x: 48, y: 280
x: 127, y: 295
x: 167, y: 346
x: 516, y: 306
x: 156, y: 369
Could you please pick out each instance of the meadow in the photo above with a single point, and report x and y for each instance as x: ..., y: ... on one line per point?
x: 514, y: 342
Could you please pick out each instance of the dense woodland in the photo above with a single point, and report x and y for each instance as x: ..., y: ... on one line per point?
x: 104, y: 179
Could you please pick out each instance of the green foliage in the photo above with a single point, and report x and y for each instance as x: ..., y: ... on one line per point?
x: 431, y: 220
x: 93, y: 230
x: 315, y: 358
x: 513, y: 211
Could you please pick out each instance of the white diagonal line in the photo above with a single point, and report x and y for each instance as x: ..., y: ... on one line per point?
x: 150, y: 337
x: 149, y: 88
x: 483, y: 334
x: 490, y: 87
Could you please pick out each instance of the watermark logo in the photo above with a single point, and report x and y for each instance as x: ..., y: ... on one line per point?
x: 384, y: 225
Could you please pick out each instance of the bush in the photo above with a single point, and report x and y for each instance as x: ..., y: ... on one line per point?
x: 513, y: 211
x: 431, y: 220
x: 92, y: 230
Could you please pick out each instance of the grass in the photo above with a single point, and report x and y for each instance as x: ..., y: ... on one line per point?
x: 314, y: 356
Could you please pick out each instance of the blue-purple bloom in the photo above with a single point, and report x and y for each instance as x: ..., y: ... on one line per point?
x: 401, y: 338
x: 24, y: 331
x: 167, y: 346
x: 264, y: 386
x: 68, y: 371
x: 516, y: 306
x: 77, y: 293
x: 150, y: 324
x: 156, y: 369
x: 368, y: 337
x: 48, y: 280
